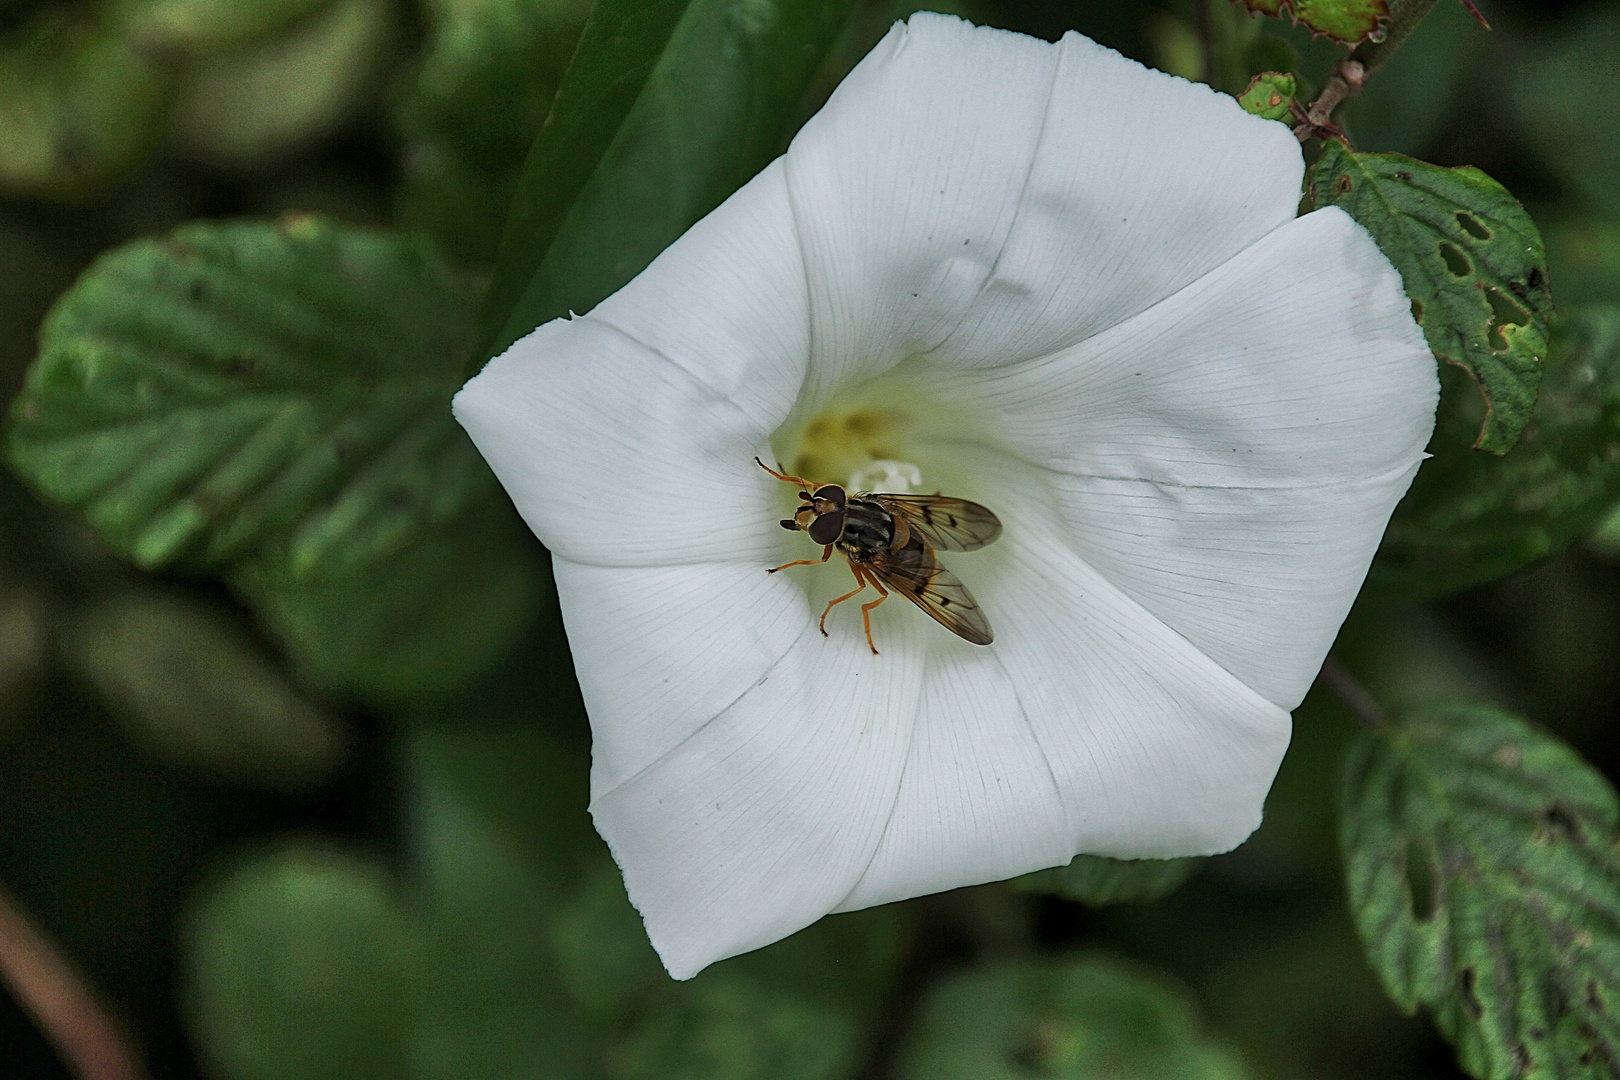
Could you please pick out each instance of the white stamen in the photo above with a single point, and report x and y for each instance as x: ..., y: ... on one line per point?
x: 896, y: 477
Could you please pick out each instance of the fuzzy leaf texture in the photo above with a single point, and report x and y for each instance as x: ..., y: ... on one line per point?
x: 1480, y: 857
x: 1471, y: 260
x: 607, y: 185
x: 1347, y: 21
x: 1474, y: 518
x: 255, y: 390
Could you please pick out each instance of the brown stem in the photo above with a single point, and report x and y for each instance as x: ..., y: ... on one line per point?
x: 1349, y: 690
x: 1354, y: 70
x: 86, y: 1036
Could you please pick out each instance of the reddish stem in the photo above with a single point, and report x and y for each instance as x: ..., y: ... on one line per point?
x: 84, y: 1033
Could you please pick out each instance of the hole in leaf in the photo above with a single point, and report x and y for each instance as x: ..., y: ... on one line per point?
x: 1537, y: 280
x: 1472, y: 225
x: 1504, y: 312
x: 1456, y: 261
x: 1342, y: 185
x: 1465, y: 989
x: 1557, y: 822
x: 1420, y: 880
x: 1417, y: 311
x: 1404, y: 177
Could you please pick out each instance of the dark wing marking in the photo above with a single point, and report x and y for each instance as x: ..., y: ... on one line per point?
x: 945, y: 523
x: 915, y: 574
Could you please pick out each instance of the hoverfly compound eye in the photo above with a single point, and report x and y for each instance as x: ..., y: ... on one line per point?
x: 827, y: 528
x: 831, y: 493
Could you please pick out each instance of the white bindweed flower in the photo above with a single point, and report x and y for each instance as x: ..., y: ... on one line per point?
x: 1040, y: 277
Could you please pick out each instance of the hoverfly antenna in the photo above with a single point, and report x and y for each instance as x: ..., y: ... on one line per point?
x: 788, y: 523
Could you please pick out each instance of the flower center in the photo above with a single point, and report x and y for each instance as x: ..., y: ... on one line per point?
x: 857, y: 446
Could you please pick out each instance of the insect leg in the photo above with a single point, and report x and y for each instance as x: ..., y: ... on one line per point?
x: 857, y: 572
x: 866, y: 609
x: 825, y: 555
x: 785, y: 478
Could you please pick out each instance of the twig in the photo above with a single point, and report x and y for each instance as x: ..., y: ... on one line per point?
x: 1349, y: 690
x: 1354, y: 70
x: 86, y: 1036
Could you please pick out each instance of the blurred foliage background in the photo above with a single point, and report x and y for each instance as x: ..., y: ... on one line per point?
x: 301, y: 823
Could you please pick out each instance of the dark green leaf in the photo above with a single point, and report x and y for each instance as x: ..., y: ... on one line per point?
x: 610, y: 183
x: 472, y: 109
x: 1270, y: 95
x: 78, y: 105
x: 1097, y: 880
x: 300, y: 966
x: 1074, y: 1018
x: 193, y: 690
x: 1472, y: 518
x: 1480, y: 857
x: 1472, y: 262
x: 617, y: 52
x: 255, y: 106
x: 1347, y: 21
x: 423, y: 622
x: 255, y: 390
x: 206, y: 24
x: 1564, y: 91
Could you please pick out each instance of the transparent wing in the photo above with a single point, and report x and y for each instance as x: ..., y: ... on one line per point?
x: 945, y: 523
x: 915, y: 574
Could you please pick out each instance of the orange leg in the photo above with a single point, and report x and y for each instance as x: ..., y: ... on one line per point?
x: 825, y: 555
x: 866, y: 609
x: 858, y: 577
x: 785, y: 478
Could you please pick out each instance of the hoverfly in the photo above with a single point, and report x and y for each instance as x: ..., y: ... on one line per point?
x: 890, y: 540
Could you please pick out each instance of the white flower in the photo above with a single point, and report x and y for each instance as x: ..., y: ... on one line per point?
x: 1037, y: 276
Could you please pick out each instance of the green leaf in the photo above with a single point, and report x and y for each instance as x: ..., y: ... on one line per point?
x: 472, y: 109
x: 1097, y: 880
x: 416, y: 626
x: 300, y: 966
x: 255, y: 106
x: 1471, y: 260
x: 78, y: 106
x: 195, y: 25
x: 1270, y: 95
x: 1069, y: 1018
x: 1566, y: 97
x: 1472, y: 518
x: 1480, y: 857
x: 607, y: 187
x: 255, y: 390
x: 192, y: 689
x: 1347, y: 21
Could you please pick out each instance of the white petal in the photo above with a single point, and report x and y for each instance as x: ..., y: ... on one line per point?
x: 1087, y: 726
x: 1157, y: 750
x: 616, y: 456
x: 1013, y: 197
x: 905, y: 186
x: 727, y: 301
x: 1143, y: 183
x: 765, y: 817
x: 978, y: 801
x: 659, y: 651
x: 1229, y: 458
